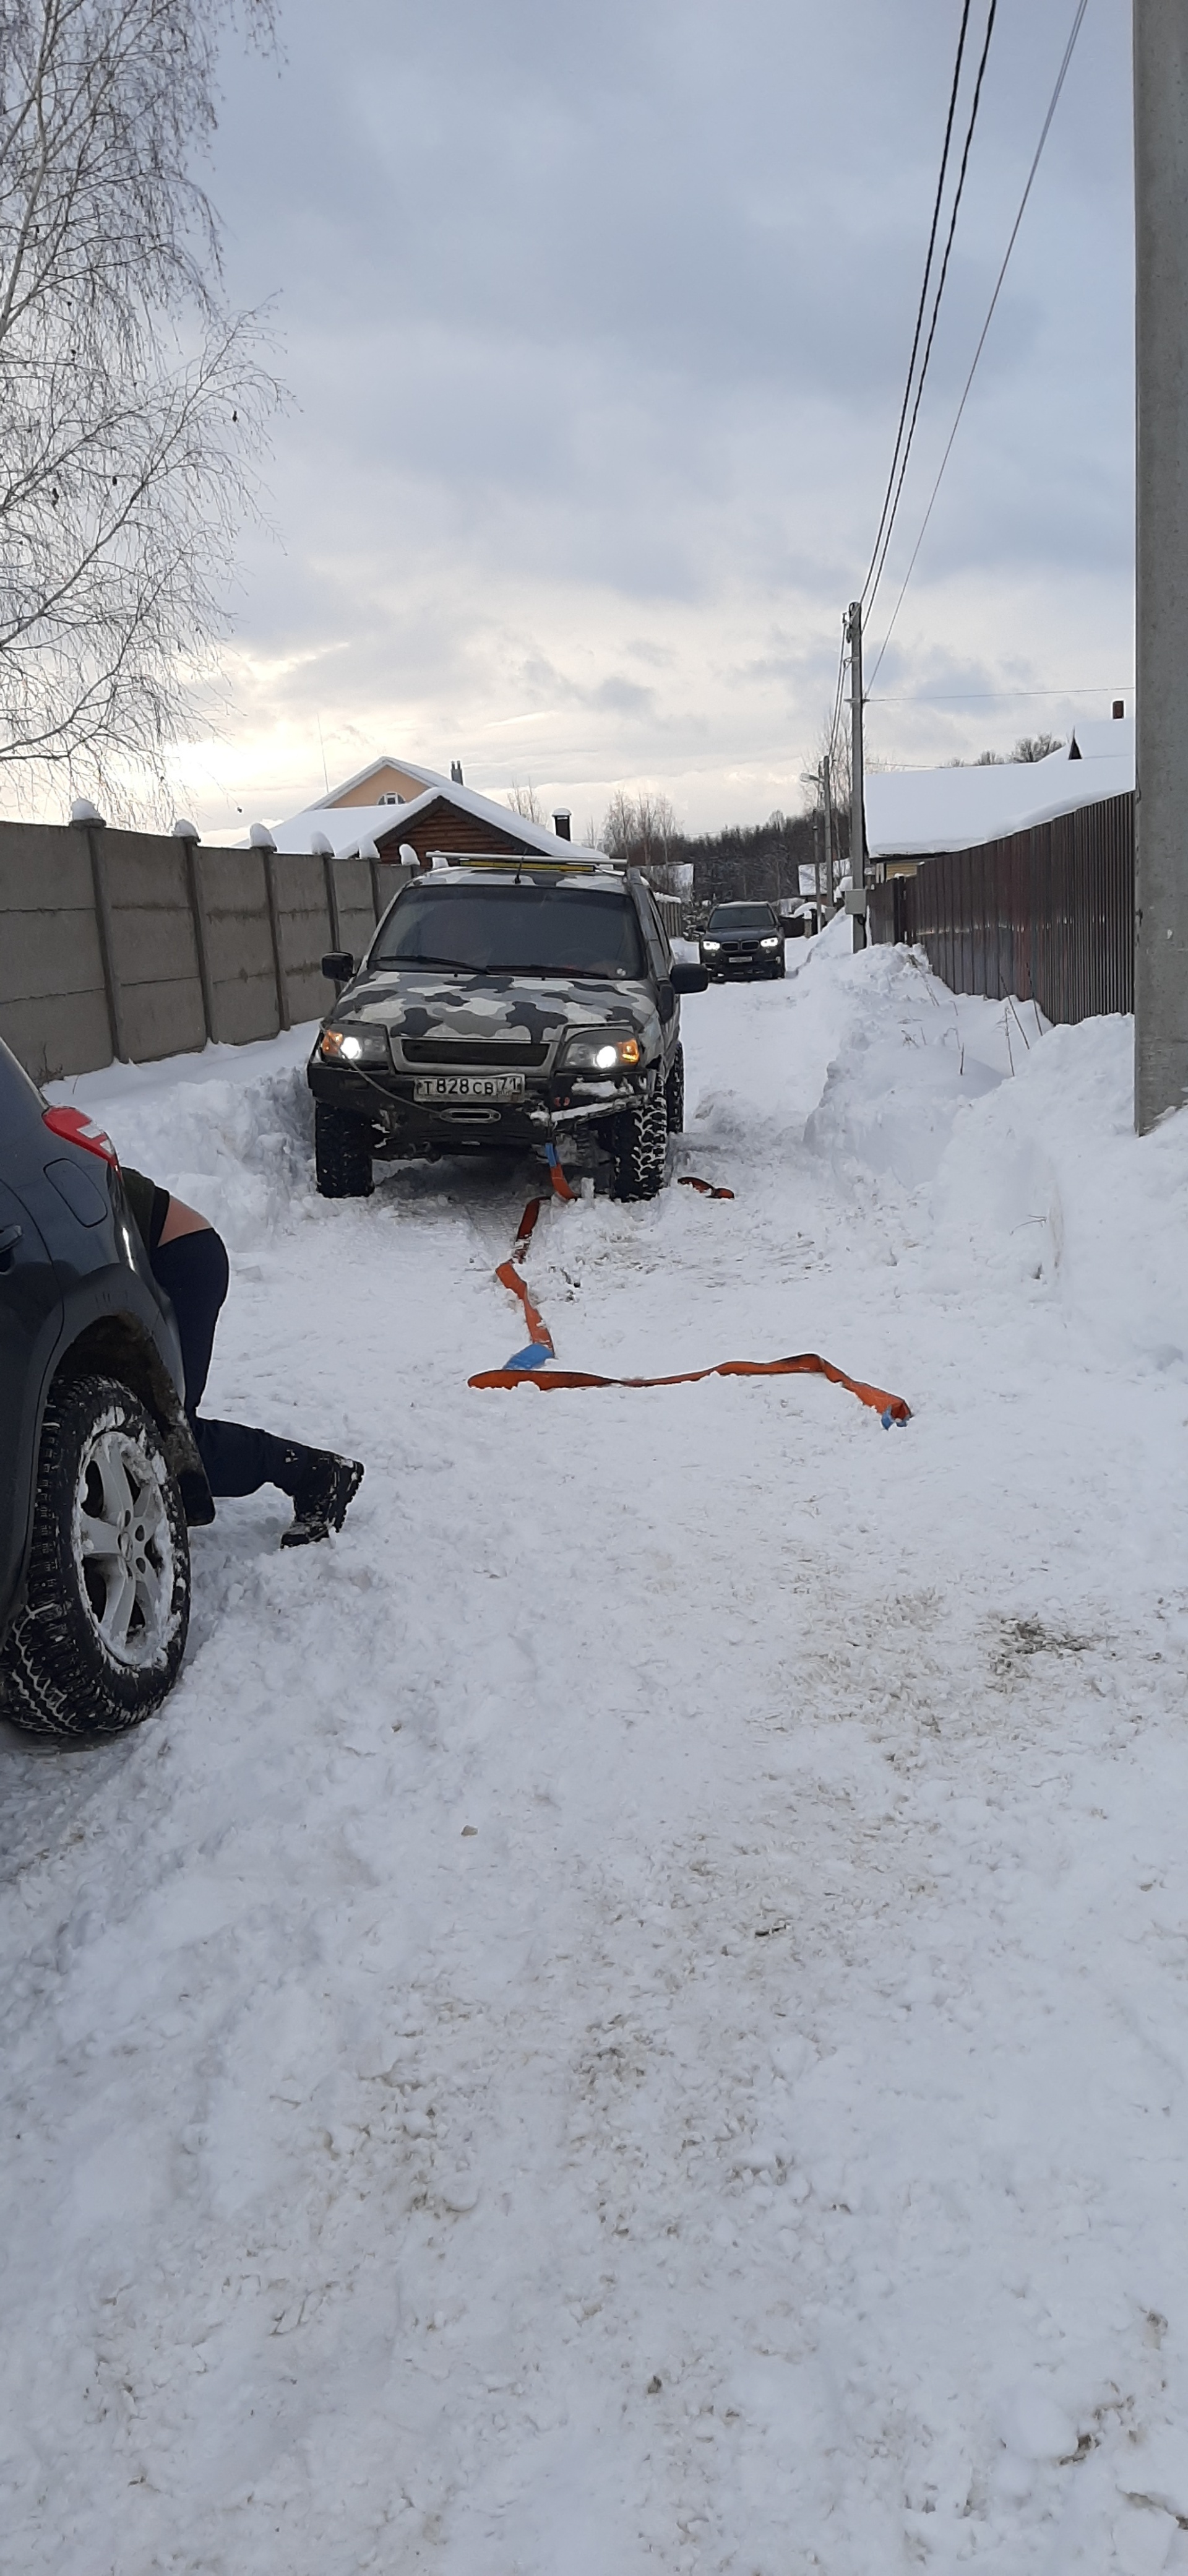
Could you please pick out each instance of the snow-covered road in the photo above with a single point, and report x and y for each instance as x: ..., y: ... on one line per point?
x: 630, y: 2014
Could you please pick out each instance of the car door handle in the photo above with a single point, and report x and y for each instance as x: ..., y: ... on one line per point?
x: 10, y: 1236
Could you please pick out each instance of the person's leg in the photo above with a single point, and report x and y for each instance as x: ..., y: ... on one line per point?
x: 239, y: 1459
x: 194, y: 1272
x: 319, y: 1484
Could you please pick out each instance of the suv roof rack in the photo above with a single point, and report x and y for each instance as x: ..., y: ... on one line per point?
x: 533, y: 862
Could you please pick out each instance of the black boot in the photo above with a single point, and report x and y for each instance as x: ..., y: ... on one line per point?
x: 322, y: 1490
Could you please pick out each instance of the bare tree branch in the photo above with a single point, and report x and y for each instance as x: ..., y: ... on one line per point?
x: 525, y: 802
x: 134, y: 401
x: 640, y: 829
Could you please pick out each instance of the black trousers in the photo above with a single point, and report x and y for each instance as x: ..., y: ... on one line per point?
x: 194, y: 1272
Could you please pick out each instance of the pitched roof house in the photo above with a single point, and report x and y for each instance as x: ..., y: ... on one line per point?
x: 395, y: 804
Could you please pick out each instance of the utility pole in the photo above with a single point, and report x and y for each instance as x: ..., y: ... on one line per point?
x: 827, y: 801
x: 1161, y: 805
x: 857, y: 899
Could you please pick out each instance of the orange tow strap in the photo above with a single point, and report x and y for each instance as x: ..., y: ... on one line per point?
x: 527, y: 1369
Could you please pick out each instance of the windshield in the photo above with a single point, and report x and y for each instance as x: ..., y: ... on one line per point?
x: 512, y: 930
x: 742, y: 916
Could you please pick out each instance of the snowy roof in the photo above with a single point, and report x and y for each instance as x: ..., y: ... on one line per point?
x: 912, y: 812
x: 387, y: 760
x: 346, y: 826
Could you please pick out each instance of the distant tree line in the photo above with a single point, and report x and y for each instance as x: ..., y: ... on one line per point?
x: 760, y: 862
x: 1030, y: 746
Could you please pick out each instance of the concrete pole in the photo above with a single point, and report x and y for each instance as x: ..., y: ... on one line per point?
x: 857, y: 791
x: 1161, y: 815
x: 827, y: 801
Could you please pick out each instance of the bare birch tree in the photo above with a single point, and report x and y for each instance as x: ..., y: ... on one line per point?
x: 640, y: 829
x: 133, y: 399
x: 525, y: 802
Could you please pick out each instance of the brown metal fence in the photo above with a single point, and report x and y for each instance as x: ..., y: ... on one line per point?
x: 1047, y: 914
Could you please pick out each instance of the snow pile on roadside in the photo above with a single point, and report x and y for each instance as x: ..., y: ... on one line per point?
x: 229, y: 1130
x: 911, y: 1056
x: 1014, y: 1142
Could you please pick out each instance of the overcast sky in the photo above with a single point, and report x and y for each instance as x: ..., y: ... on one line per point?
x: 595, y: 322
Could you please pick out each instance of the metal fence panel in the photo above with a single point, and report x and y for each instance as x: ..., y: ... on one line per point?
x: 1047, y: 914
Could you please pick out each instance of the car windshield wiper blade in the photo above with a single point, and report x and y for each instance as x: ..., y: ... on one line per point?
x: 457, y: 965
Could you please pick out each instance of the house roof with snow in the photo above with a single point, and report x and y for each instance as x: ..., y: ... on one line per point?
x: 912, y: 813
x: 372, y: 814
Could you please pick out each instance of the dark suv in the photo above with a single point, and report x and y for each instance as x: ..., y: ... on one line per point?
x: 506, y: 1003
x: 98, y: 1458
x: 745, y: 939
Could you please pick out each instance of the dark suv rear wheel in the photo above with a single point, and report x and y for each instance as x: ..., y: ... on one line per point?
x: 100, y: 1638
x: 342, y: 1153
x: 639, y: 1150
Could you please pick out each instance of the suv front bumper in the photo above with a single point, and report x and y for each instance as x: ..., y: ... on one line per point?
x: 552, y: 1104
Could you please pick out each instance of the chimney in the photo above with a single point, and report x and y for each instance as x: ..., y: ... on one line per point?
x: 561, y: 823
x: 456, y: 773
x: 1119, y: 706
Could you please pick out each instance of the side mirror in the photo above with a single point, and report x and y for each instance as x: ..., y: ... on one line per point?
x: 689, y: 979
x: 339, y: 966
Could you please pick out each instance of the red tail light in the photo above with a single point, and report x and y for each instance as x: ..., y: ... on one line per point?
x: 78, y: 1129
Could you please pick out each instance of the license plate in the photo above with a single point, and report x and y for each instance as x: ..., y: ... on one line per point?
x: 469, y: 1086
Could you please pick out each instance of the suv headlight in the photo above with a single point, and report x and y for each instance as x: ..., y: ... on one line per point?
x: 354, y: 1045
x: 713, y: 944
x: 769, y: 943
x: 600, y: 1051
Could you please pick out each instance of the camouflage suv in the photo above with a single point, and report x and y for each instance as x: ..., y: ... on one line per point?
x: 506, y: 1004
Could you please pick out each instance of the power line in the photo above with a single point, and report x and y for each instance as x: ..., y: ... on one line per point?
x: 907, y: 390
x: 1053, y: 102
x: 969, y: 135
x: 837, y: 697
x: 947, y: 697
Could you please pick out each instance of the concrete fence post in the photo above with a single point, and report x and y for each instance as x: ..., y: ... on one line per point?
x: 94, y: 826
x: 333, y: 916
x: 189, y: 837
x: 262, y: 840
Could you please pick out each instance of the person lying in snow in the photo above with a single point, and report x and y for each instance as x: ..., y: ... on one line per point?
x: 189, y: 1261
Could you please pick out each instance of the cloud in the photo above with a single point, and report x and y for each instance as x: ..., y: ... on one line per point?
x: 596, y: 324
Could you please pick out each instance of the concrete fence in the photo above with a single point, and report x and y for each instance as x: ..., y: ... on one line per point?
x: 137, y: 945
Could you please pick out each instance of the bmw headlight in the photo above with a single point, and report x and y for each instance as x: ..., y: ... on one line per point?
x: 769, y: 943
x: 711, y: 946
x: 600, y: 1051
x: 358, y: 1044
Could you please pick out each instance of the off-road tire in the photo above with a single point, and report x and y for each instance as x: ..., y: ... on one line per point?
x: 639, y: 1150
x: 674, y: 1094
x: 342, y: 1153
x: 82, y: 1659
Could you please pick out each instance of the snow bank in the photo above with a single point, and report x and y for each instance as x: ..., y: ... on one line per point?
x: 911, y: 1057
x: 1015, y: 1142
x: 229, y: 1130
